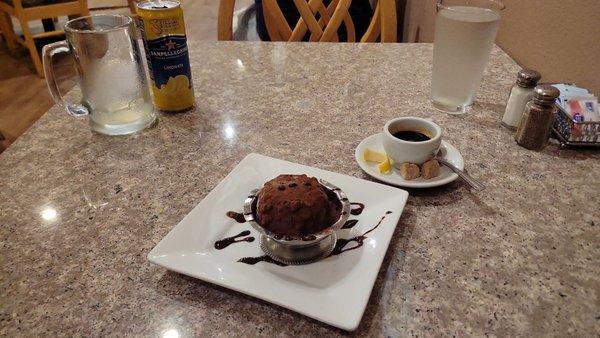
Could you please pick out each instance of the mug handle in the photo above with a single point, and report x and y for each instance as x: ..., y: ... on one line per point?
x: 48, y: 53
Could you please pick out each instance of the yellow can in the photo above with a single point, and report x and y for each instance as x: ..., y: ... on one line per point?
x: 163, y: 30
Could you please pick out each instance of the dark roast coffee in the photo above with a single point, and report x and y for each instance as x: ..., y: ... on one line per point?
x: 411, y: 135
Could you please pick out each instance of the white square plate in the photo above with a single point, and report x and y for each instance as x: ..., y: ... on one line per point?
x: 334, y: 290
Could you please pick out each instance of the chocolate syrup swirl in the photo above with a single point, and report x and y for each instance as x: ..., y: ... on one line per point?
x: 349, y: 223
x: 236, y: 216
x: 225, y: 242
x: 340, y: 244
x: 357, y: 211
x: 265, y: 258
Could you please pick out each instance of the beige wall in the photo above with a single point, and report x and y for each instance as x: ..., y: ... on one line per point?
x: 559, y: 38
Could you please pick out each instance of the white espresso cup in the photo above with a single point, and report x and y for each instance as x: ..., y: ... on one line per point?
x: 417, y: 152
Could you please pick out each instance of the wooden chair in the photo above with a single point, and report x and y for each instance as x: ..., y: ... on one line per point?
x: 322, y: 22
x: 131, y: 4
x: 30, y: 10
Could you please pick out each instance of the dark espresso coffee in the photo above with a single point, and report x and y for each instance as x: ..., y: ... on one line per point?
x: 411, y: 135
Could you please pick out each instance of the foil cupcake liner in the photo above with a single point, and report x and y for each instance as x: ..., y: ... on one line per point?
x: 293, y: 255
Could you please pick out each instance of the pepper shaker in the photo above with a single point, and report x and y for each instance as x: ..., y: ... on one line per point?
x: 520, y: 94
x: 538, y: 116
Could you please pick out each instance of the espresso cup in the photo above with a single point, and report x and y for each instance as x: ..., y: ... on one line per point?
x: 417, y: 152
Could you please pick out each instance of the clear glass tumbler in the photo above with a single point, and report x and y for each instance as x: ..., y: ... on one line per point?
x: 112, y: 77
x: 465, y: 31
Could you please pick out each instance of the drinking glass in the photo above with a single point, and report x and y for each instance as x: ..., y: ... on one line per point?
x: 110, y: 71
x: 465, y: 31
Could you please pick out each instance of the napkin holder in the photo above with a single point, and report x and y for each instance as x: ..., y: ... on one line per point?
x: 573, y: 133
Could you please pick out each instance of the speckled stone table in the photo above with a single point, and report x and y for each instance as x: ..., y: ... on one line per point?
x: 80, y: 211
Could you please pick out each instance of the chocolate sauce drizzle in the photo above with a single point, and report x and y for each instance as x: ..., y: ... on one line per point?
x: 340, y: 244
x: 265, y: 258
x: 225, y: 242
x: 357, y: 211
x: 349, y: 223
x: 236, y: 216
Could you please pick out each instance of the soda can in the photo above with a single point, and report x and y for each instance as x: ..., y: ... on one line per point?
x: 163, y: 30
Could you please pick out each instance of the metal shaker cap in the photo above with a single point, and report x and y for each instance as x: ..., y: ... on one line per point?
x: 545, y: 95
x: 528, y: 78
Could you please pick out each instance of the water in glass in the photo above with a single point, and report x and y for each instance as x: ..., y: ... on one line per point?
x: 464, y: 37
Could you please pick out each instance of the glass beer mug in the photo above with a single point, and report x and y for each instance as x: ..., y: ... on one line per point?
x: 112, y: 79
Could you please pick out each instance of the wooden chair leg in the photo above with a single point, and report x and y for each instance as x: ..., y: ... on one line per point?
x: 8, y: 32
x: 35, y: 57
x: 85, y: 10
x: 132, y: 7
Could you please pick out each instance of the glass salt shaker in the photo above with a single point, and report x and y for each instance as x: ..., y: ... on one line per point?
x: 538, y: 116
x: 520, y: 94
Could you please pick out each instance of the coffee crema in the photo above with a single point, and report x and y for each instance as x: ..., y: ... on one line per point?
x: 411, y: 136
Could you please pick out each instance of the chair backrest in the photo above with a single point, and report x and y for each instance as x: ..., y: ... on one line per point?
x: 320, y: 21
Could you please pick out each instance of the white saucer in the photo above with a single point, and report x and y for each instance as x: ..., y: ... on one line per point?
x: 374, y: 142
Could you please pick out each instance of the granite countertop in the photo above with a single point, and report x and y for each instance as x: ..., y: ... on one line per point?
x: 80, y: 211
